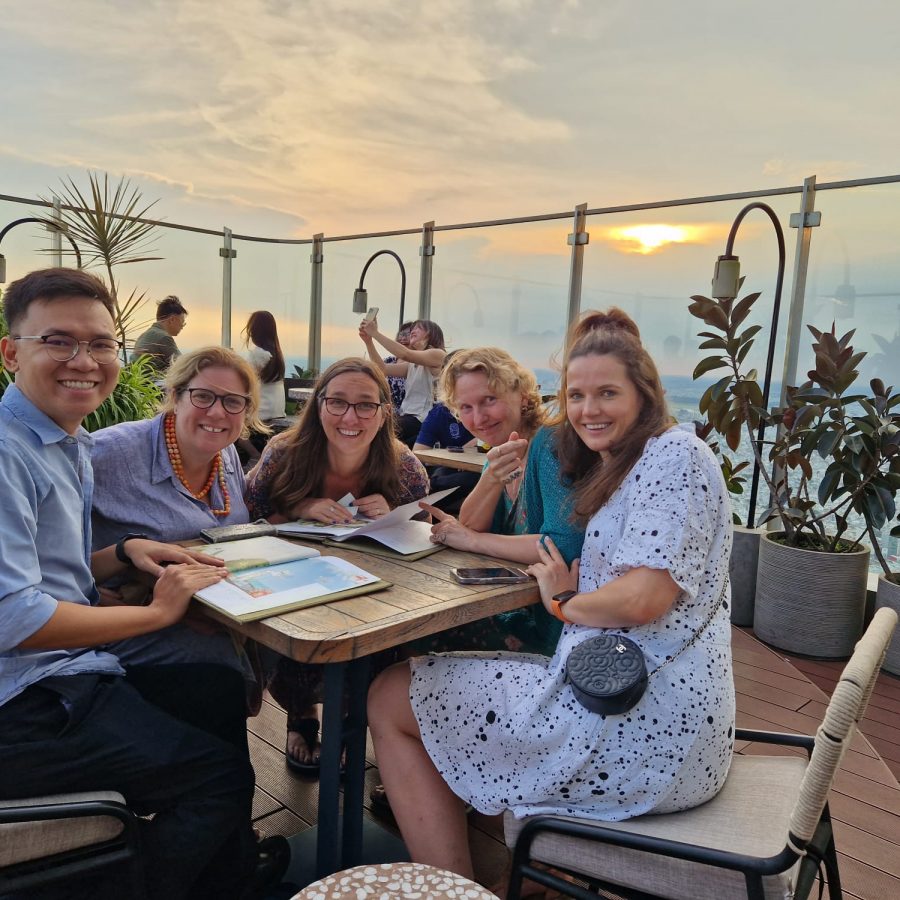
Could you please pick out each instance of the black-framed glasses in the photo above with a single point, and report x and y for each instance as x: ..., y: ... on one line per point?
x: 206, y: 399
x: 63, y: 347
x: 337, y: 407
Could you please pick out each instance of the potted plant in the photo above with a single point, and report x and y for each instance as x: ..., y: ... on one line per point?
x: 811, y: 580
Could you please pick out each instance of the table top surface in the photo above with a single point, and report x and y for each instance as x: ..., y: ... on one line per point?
x: 300, y: 393
x: 424, y: 598
x: 470, y: 460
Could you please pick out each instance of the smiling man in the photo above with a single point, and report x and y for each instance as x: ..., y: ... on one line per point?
x: 71, y: 717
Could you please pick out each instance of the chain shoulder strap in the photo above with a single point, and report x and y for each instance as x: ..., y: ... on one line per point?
x: 699, y: 631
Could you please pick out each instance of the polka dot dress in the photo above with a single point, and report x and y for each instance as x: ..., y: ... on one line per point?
x: 506, y: 731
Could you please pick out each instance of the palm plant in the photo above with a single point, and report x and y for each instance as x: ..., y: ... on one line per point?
x: 108, y: 226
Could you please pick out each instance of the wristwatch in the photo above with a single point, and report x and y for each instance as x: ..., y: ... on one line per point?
x: 556, y: 605
x: 121, y: 555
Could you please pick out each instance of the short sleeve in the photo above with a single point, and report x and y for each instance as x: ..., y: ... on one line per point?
x: 257, y: 496
x: 673, y: 513
x: 428, y: 433
x: 413, y: 478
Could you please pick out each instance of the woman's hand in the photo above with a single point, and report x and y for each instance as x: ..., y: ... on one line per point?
x: 321, y: 509
x: 368, y: 330
x: 148, y: 556
x: 177, y: 584
x: 374, y: 506
x: 447, y: 530
x: 506, y: 462
x: 552, y: 574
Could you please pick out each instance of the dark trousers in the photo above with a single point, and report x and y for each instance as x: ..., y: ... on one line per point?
x: 170, y: 739
x: 408, y: 427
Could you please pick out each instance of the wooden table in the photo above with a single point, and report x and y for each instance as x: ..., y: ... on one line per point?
x: 424, y: 598
x: 470, y: 460
x: 299, y: 394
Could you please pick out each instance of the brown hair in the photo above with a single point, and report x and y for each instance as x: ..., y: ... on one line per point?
x: 262, y: 330
x: 52, y: 284
x: 503, y: 373
x: 188, y: 366
x: 305, y: 447
x: 610, y: 333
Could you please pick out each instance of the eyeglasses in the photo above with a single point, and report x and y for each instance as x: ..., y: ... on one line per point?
x: 205, y: 399
x: 337, y: 407
x: 63, y: 347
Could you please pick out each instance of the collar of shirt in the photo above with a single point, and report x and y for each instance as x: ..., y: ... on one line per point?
x: 45, y: 429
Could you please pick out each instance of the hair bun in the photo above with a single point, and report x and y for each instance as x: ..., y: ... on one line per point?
x: 613, y: 319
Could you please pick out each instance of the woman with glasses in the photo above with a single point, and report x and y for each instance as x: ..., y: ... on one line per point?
x: 343, y: 444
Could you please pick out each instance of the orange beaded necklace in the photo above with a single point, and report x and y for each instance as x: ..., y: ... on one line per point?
x: 178, y: 469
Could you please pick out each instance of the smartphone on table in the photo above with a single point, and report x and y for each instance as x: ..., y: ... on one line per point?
x: 372, y: 314
x: 490, y: 575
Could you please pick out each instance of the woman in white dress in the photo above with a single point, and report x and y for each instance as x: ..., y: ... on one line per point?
x: 505, y: 731
x: 264, y: 354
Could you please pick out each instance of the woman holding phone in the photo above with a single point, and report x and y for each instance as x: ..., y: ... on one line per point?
x: 419, y: 363
x: 506, y: 731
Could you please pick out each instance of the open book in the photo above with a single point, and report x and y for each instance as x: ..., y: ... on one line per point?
x: 269, y: 576
x: 396, y: 530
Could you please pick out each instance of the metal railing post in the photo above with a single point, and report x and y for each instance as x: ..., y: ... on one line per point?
x: 227, y: 254
x: 426, y: 251
x: 56, y: 234
x: 314, y: 350
x: 577, y: 240
x: 804, y: 221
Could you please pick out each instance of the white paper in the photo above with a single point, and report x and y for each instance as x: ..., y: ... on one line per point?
x: 252, y: 553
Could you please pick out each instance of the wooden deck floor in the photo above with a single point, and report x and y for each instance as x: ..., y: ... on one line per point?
x: 773, y: 693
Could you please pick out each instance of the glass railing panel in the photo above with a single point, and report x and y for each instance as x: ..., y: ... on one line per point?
x: 343, y: 265
x: 505, y: 286
x: 273, y: 277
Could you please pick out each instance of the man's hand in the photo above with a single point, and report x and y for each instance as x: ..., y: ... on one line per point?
x: 148, y: 556
x: 176, y: 586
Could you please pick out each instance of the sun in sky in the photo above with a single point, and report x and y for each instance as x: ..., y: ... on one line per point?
x: 650, y: 238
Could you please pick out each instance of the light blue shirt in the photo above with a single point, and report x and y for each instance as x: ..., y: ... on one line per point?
x: 45, y: 542
x: 137, y: 491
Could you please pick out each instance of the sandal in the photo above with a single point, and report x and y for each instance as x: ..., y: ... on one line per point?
x: 308, y: 729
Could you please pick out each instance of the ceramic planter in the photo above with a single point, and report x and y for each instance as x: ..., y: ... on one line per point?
x: 742, y: 568
x: 808, y: 602
x: 889, y: 595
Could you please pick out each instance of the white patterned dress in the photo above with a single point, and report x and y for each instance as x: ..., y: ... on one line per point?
x: 505, y: 730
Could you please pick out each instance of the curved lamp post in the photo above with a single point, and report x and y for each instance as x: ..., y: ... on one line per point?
x: 726, y: 280
x: 361, y: 295
x: 42, y: 222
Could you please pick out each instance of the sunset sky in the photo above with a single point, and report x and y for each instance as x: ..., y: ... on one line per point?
x: 286, y: 119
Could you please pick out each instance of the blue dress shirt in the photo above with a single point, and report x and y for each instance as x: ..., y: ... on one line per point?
x: 45, y: 542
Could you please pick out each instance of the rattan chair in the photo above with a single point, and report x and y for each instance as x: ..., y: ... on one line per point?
x: 763, y: 836
x: 46, y: 840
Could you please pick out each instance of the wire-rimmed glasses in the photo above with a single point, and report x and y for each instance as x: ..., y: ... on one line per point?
x: 63, y: 347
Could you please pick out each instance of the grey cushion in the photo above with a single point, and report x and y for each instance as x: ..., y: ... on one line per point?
x: 749, y: 815
x: 23, y: 841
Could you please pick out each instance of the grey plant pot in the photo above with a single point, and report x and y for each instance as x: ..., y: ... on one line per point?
x: 889, y: 595
x: 742, y: 568
x: 808, y: 602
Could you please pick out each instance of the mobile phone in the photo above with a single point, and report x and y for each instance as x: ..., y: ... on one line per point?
x: 456, y: 450
x: 490, y: 575
x: 372, y: 314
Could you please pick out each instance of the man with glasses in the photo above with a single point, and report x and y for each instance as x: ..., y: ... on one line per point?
x: 158, y: 341
x: 71, y: 717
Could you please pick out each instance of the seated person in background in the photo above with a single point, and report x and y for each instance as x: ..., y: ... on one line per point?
x: 158, y: 341
x: 344, y: 443
x: 71, y: 717
x: 655, y: 565
x: 169, y: 477
x: 442, y: 429
x: 419, y: 364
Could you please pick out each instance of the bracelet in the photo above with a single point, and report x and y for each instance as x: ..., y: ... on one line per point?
x: 121, y: 554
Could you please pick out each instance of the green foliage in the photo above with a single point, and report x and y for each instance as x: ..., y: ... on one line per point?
x: 858, y: 433
x: 306, y: 374
x: 136, y: 397
x: 106, y: 228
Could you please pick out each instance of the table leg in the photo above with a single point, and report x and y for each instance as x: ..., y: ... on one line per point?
x: 332, y: 852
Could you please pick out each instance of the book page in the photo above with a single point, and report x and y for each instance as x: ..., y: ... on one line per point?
x: 284, y: 586
x: 253, y: 553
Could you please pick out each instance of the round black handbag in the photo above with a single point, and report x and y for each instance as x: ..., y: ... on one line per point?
x: 607, y: 673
